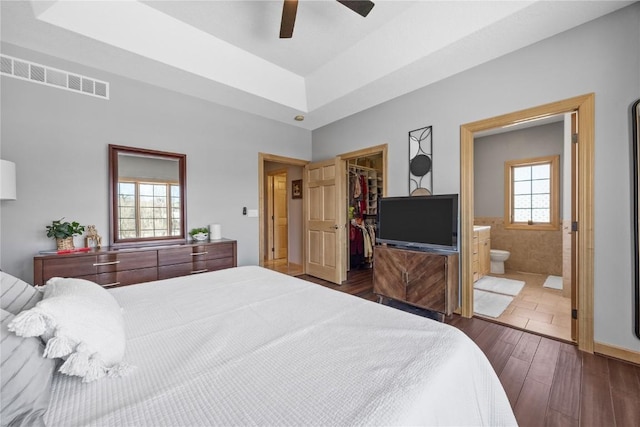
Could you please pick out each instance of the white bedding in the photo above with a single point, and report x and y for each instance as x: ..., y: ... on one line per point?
x: 249, y: 346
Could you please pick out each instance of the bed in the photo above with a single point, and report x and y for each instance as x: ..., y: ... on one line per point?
x: 250, y: 346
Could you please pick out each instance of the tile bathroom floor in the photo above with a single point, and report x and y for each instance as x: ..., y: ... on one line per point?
x: 537, y: 309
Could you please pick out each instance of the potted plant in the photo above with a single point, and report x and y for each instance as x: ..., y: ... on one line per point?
x: 199, y: 234
x: 63, y: 232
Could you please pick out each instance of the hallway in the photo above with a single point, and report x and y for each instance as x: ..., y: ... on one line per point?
x: 283, y: 266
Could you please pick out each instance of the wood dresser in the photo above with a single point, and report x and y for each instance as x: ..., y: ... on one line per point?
x: 424, y: 279
x: 121, y: 267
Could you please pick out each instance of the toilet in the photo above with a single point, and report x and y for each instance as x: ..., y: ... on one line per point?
x: 498, y: 257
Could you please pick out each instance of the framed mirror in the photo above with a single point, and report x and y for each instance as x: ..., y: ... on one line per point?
x: 635, y: 188
x: 147, y: 201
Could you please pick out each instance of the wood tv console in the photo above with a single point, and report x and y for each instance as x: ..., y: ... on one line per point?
x: 121, y: 267
x: 426, y: 280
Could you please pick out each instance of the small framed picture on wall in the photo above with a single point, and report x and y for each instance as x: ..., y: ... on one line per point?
x: 296, y: 189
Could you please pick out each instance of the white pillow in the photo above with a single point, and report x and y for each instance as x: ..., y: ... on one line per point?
x: 80, y: 322
x: 26, y: 378
x: 17, y: 295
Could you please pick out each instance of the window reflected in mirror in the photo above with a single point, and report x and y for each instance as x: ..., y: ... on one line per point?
x: 147, y: 196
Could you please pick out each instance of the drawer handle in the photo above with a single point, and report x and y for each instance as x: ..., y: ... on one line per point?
x: 199, y: 271
x: 199, y: 253
x: 111, y: 284
x: 106, y: 263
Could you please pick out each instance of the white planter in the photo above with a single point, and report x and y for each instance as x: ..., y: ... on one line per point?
x: 200, y: 237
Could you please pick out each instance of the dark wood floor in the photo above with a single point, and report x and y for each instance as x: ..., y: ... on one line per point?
x: 548, y: 382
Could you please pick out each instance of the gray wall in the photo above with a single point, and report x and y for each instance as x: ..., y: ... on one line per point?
x: 601, y: 56
x: 490, y: 153
x: 58, y: 140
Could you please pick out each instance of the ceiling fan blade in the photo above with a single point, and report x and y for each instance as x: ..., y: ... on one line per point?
x: 289, y: 10
x: 361, y: 7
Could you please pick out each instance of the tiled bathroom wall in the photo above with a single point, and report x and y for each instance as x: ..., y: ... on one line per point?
x: 532, y: 251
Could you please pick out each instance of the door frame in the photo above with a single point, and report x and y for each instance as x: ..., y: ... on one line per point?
x: 274, y: 158
x: 585, y: 106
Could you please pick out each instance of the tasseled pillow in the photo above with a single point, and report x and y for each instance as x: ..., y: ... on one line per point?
x: 81, y: 323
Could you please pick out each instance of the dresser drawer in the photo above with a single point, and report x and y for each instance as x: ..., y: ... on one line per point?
x: 170, y: 256
x: 120, y: 278
x: 175, y: 270
x: 195, y: 267
x: 128, y: 277
x: 74, y: 266
x: 219, y: 264
x: 211, y: 265
x: 214, y: 251
x: 121, y: 261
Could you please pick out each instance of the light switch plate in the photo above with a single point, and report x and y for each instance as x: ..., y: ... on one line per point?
x: 252, y: 212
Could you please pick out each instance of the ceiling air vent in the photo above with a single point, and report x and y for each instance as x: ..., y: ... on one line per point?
x: 38, y: 73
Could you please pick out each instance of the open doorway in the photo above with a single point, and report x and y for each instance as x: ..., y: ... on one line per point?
x: 522, y: 216
x: 365, y: 183
x: 281, y: 213
x: 582, y: 208
x: 326, y: 224
x: 277, y: 217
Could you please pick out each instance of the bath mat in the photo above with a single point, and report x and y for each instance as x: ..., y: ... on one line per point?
x: 553, y: 282
x: 499, y: 285
x: 490, y: 304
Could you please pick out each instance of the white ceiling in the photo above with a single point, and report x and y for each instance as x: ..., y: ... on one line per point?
x: 337, y: 63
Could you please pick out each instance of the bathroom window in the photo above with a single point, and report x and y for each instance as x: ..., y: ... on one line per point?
x: 532, y: 188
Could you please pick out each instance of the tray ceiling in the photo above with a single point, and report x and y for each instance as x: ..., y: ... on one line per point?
x: 337, y: 63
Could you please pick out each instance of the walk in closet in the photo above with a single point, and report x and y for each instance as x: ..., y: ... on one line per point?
x: 364, y: 187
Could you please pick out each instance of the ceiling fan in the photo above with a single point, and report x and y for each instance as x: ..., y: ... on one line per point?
x: 361, y: 7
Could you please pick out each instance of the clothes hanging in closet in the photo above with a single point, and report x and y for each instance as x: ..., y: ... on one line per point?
x: 358, y: 192
x: 362, y: 239
x: 363, y: 198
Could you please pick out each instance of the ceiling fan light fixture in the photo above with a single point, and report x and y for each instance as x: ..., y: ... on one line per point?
x: 290, y: 8
x: 361, y: 7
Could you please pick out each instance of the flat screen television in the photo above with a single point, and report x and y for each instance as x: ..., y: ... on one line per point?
x: 420, y: 222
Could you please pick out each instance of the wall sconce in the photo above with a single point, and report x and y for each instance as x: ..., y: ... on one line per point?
x: 7, y: 180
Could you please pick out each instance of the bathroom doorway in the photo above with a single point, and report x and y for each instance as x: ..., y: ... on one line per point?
x: 522, y: 209
x: 581, y: 230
